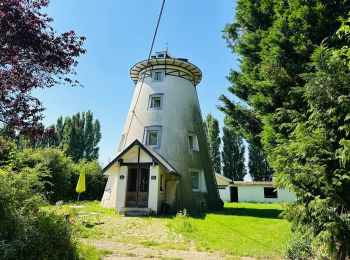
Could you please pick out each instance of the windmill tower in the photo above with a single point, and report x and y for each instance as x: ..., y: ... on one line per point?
x: 163, y: 157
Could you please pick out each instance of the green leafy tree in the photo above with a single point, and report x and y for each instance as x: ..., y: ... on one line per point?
x: 295, y: 108
x: 233, y: 155
x: 211, y: 126
x: 26, y: 230
x: 79, y: 135
x: 57, y: 171
x: 259, y: 168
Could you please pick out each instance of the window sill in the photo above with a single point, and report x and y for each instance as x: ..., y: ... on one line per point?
x: 199, y: 191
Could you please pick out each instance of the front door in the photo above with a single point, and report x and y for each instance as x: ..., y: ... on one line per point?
x: 137, y: 189
x: 234, y: 194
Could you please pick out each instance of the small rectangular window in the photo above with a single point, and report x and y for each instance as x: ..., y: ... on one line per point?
x: 193, y: 142
x: 152, y: 136
x: 160, y: 54
x: 195, y: 180
x: 157, y: 75
x: 190, y: 140
x: 155, y: 101
x: 270, y: 192
x: 161, y: 187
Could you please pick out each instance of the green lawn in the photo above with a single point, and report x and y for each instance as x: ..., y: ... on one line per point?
x: 240, y: 229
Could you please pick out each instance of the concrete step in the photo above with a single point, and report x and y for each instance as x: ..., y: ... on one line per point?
x: 136, y: 212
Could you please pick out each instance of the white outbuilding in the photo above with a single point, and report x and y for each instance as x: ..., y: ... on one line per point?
x: 251, y: 191
x: 163, y: 159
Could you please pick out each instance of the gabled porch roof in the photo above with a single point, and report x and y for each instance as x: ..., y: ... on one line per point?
x: 156, y: 158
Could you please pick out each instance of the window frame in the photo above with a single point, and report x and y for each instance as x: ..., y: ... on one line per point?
x: 270, y: 195
x: 154, y: 73
x: 161, y: 183
x: 161, y: 55
x: 149, y: 129
x: 198, y: 179
x: 153, y: 96
x: 195, y: 145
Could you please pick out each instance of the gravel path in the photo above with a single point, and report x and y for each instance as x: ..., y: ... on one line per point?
x: 126, y: 251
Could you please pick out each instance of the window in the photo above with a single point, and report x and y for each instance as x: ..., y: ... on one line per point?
x: 161, y: 187
x: 193, y: 142
x: 158, y: 75
x: 155, y: 101
x: 160, y: 55
x: 152, y: 136
x: 270, y: 192
x: 190, y: 140
x: 195, y: 180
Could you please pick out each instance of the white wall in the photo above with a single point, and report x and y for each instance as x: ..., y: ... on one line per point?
x: 225, y: 194
x: 153, y: 189
x: 256, y: 194
x: 109, y: 194
x: 121, y: 188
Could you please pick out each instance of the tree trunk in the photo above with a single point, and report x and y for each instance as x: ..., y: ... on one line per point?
x: 344, y: 252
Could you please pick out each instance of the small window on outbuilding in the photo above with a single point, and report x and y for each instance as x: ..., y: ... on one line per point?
x: 270, y: 192
x: 155, y: 101
x: 193, y: 142
x: 158, y: 75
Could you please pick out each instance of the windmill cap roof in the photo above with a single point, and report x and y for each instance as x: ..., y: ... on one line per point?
x: 167, y: 60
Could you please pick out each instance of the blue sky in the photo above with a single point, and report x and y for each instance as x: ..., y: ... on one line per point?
x: 119, y: 34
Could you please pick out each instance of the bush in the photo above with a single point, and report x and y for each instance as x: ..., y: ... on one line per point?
x: 60, y: 174
x: 27, y: 232
x: 94, y: 179
x: 59, y: 170
x: 299, y: 248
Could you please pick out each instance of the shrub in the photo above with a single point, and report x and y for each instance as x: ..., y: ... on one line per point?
x: 60, y: 174
x: 59, y: 171
x: 27, y: 232
x: 299, y: 248
x: 182, y: 222
x: 95, y: 180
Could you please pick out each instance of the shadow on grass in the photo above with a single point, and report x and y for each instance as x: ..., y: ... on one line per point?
x: 246, y: 212
x: 249, y: 212
x: 198, y: 215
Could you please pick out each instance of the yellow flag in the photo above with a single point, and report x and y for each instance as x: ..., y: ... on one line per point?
x: 81, y: 183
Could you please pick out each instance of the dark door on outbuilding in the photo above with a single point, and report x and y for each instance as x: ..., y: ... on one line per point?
x: 137, y: 189
x: 234, y: 194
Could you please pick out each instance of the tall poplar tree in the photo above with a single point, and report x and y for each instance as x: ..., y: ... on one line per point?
x: 294, y: 78
x: 233, y: 155
x: 79, y: 135
x: 259, y: 168
x: 211, y: 125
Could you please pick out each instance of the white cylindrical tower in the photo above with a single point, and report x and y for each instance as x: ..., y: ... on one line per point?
x: 165, y: 116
